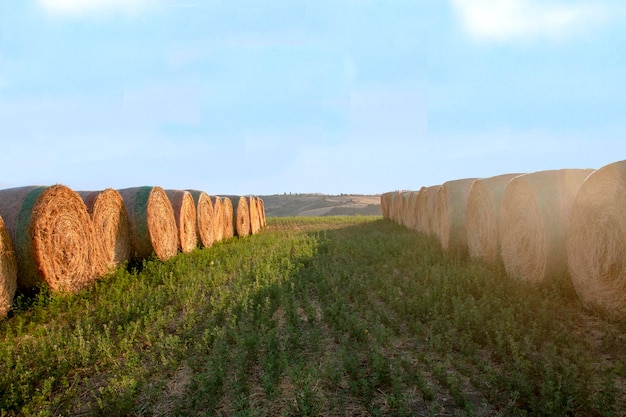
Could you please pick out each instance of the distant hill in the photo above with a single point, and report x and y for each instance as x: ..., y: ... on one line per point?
x: 286, y: 205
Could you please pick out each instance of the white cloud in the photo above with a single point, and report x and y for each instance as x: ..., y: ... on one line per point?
x: 505, y: 20
x: 80, y: 8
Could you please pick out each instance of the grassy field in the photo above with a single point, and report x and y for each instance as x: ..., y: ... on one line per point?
x: 327, y: 316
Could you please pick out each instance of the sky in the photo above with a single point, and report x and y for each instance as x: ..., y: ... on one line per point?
x: 277, y: 96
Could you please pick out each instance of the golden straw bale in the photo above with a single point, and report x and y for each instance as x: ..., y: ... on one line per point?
x: 53, y: 236
x: 262, y: 212
x: 229, y: 225
x: 385, y: 202
x: 8, y: 271
x: 597, y: 239
x: 241, y: 215
x: 450, y: 213
x: 426, y: 208
x: 534, y: 218
x: 255, y: 219
x: 152, y: 222
x: 205, y: 218
x: 186, y: 219
x: 483, y: 216
x: 111, y: 227
x: 218, y: 217
x: 410, y: 210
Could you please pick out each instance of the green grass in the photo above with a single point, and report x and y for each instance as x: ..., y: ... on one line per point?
x: 313, y: 316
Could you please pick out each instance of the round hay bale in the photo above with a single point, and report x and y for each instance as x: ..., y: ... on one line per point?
x: 410, y: 215
x: 185, y: 215
x: 111, y: 227
x: 385, y: 203
x: 152, y: 222
x: 534, y: 218
x: 218, y: 218
x: 241, y: 215
x: 205, y: 221
x: 8, y: 271
x: 482, y: 220
x: 450, y: 214
x: 426, y: 209
x: 596, y: 245
x: 229, y: 226
x: 261, y: 205
x: 53, y: 237
x: 255, y: 217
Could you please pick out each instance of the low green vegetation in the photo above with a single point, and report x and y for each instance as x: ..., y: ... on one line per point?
x: 325, y: 316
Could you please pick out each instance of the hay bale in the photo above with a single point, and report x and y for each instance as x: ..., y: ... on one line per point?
x: 8, y: 271
x: 596, y: 244
x: 53, y: 236
x: 450, y: 214
x: 385, y: 204
x: 255, y: 217
x: 482, y: 220
x: 218, y: 217
x: 185, y: 214
x: 241, y: 215
x: 152, y: 222
x: 229, y: 225
x: 534, y: 218
x: 205, y: 220
x: 111, y: 227
x: 426, y: 209
x: 410, y: 212
x: 261, y: 205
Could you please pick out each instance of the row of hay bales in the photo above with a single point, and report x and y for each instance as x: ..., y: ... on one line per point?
x: 568, y: 223
x: 64, y: 239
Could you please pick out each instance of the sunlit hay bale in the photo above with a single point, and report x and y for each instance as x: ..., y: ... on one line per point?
x: 534, y: 218
x: 8, y: 271
x: 426, y: 208
x: 450, y: 213
x: 262, y: 212
x: 205, y: 218
x: 53, y: 237
x: 111, y: 226
x: 385, y: 204
x: 482, y: 220
x: 241, y: 214
x: 397, y: 206
x: 218, y: 217
x: 152, y: 222
x: 597, y: 239
x: 229, y: 225
x: 186, y: 219
x: 255, y: 219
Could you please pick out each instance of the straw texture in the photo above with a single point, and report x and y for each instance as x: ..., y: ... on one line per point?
x: 8, y: 271
x: 426, y: 209
x: 218, y: 217
x: 241, y: 215
x: 597, y: 239
x: 205, y: 218
x: 52, y: 235
x: 255, y: 215
x: 229, y: 225
x: 450, y: 212
x: 483, y: 216
x: 112, y: 228
x: 185, y: 215
x: 534, y: 221
x: 152, y: 222
x: 261, y: 205
x: 385, y: 202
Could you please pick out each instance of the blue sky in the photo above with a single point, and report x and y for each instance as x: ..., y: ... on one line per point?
x: 263, y: 97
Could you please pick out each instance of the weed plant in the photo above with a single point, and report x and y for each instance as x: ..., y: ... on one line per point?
x: 325, y: 316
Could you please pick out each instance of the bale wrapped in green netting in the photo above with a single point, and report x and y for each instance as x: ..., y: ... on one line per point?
x: 241, y: 215
x: 450, y: 212
x: 426, y: 209
x: 596, y: 245
x: 385, y: 204
x: 111, y: 227
x: 205, y: 218
x: 53, y: 237
x: 229, y: 225
x: 8, y: 271
x: 218, y: 217
x: 482, y: 219
x: 152, y: 222
x: 255, y: 219
x: 185, y: 215
x: 534, y: 219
